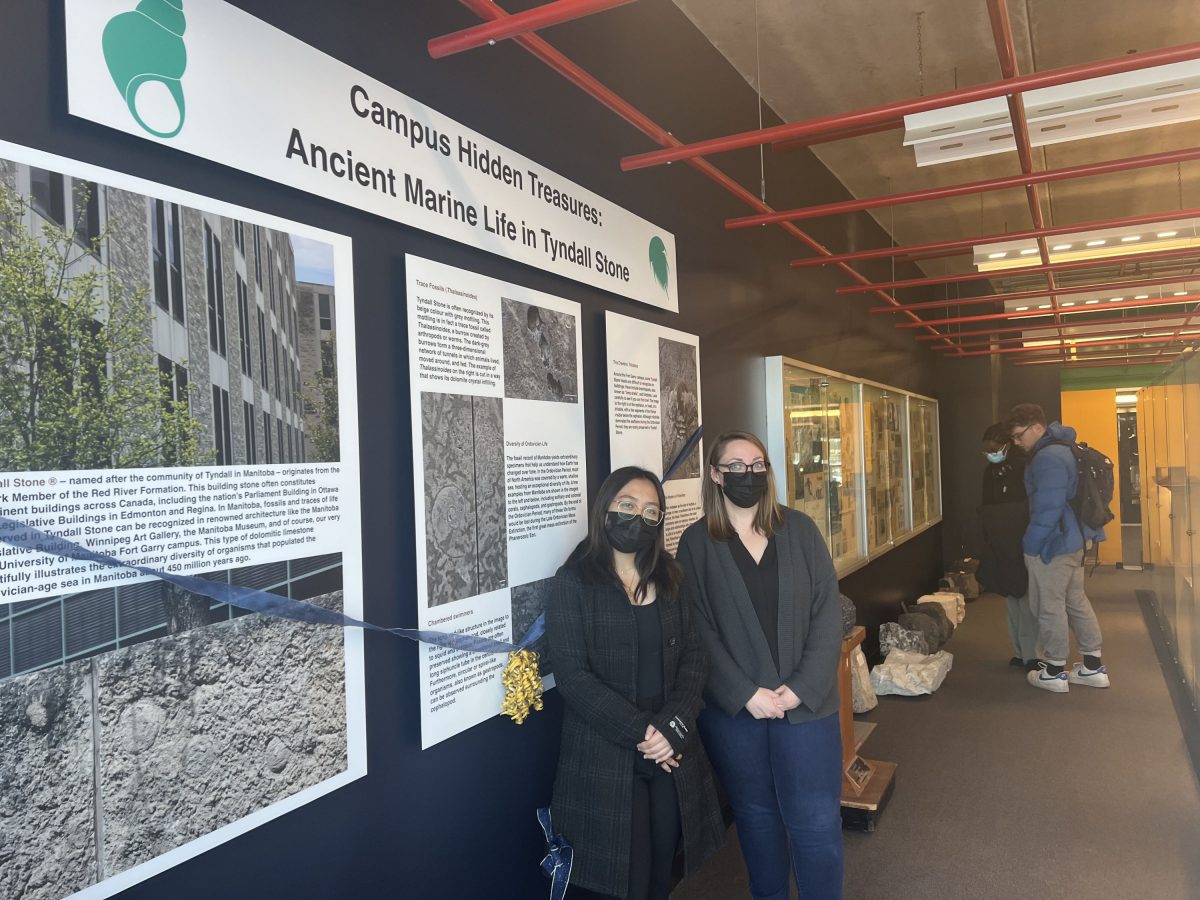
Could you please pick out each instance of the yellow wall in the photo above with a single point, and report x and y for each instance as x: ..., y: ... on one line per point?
x: 1093, y: 415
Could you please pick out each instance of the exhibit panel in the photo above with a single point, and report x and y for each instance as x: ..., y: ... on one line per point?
x: 860, y: 459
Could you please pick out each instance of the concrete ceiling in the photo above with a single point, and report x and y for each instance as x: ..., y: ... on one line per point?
x: 819, y: 57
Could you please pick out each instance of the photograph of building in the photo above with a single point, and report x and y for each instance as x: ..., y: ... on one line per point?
x: 222, y: 322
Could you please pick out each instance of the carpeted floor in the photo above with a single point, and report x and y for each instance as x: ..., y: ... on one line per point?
x: 1005, y: 791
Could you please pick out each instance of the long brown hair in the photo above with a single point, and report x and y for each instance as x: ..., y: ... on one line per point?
x: 769, y: 514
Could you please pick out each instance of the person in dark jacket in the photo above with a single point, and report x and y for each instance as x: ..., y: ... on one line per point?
x: 768, y: 609
x: 633, y: 777
x: 1004, y: 514
x: 1054, y: 544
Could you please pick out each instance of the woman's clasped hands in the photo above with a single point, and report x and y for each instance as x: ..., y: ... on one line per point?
x: 658, y: 749
x: 768, y: 704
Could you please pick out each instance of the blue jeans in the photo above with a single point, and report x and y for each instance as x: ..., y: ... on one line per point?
x: 785, y: 784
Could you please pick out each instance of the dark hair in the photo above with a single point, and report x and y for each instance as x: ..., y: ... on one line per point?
x: 997, y: 433
x: 1025, y: 414
x: 594, y: 554
x: 769, y: 514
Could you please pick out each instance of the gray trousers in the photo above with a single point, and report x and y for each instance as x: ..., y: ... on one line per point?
x: 1022, y: 627
x: 1057, y: 599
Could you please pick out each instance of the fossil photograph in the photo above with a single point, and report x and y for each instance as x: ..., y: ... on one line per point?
x: 539, y: 353
x: 680, y: 404
x: 120, y: 707
x: 466, y: 542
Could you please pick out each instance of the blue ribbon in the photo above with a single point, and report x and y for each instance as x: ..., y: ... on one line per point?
x: 21, y: 535
x: 560, y: 856
x: 684, y: 453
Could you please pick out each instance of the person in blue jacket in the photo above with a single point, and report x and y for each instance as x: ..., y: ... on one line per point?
x: 1054, y: 545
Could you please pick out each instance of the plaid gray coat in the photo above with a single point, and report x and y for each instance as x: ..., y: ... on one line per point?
x: 592, y: 644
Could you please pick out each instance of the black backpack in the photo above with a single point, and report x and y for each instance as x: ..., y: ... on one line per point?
x: 1094, y: 488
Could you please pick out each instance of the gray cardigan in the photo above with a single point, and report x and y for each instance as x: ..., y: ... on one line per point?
x: 810, y: 629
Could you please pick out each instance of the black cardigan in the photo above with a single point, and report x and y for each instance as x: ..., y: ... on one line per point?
x: 591, y: 640
x: 810, y: 620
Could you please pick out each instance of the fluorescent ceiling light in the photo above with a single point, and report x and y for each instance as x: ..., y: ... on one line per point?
x: 1116, y: 299
x: 1022, y: 308
x: 1126, y: 399
x: 1090, y: 302
x: 1111, y: 104
x: 1095, y: 244
x: 1141, y: 297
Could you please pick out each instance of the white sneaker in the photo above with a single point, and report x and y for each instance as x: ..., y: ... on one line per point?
x: 1040, y: 678
x: 1081, y: 674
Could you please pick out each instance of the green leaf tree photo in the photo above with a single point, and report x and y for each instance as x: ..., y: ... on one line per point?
x: 79, y: 384
x: 321, y: 407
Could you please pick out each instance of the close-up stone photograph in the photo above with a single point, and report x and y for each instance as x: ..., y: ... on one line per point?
x: 539, y: 353
x: 104, y: 757
x: 679, y: 390
x: 465, y: 519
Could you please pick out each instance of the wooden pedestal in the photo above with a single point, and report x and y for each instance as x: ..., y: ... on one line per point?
x: 866, y: 783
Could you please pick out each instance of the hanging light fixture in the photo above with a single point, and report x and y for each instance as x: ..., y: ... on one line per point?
x: 1145, y: 98
x: 1125, y: 241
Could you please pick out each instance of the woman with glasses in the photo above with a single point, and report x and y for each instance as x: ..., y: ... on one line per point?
x: 633, y: 782
x: 767, y: 607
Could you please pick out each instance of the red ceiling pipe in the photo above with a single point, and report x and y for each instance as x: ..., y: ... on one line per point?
x: 1033, y: 294
x: 1115, y: 320
x: 839, y: 135
x: 1182, y: 325
x: 1042, y: 313
x: 891, y: 111
x: 487, y: 9
x: 1117, y: 353
x: 1119, y: 356
x: 1129, y: 331
x: 1171, y: 157
x: 1073, y: 266
x: 1080, y: 344
x: 518, y: 23
x: 1007, y: 53
x: 1101, y: 365
x: 961, y: 244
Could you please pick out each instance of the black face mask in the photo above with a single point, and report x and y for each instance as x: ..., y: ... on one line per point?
x: 745, y: 489
x: 629, y: 535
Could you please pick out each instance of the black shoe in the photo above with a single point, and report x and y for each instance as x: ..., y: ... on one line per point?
x: 1031, y: 664
x: 1017, y: 661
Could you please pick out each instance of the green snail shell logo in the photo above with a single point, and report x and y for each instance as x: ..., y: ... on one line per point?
x: 146, y: 57
x: 658, y: 261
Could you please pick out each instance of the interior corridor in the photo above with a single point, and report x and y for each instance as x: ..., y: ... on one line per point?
x: 1006, y: 791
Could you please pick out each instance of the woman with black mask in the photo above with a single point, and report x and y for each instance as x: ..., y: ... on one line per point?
x: 632, y: 776
x: 1004, y: 515
x: 766, y: 597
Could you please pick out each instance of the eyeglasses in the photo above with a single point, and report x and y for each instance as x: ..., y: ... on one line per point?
x: 1017, y: 435
x: 737, y: 467
x: 627, y: 509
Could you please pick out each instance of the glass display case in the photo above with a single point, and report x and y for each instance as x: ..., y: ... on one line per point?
x: 924, y: 461
x: 821, y: 453
x: 886, y: 416
x: 860, y: 459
